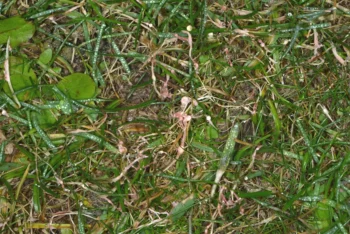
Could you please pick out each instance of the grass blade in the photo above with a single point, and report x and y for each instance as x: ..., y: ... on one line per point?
x: 96, y: 71
x: 226, y: 156
x: 307, y: 141
x: 41, y: 133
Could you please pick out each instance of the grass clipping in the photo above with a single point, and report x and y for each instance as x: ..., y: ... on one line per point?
x: 226, y: 156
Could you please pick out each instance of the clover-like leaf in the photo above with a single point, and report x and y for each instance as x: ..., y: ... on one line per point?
x: 78, y: 86
x: 17, y: 29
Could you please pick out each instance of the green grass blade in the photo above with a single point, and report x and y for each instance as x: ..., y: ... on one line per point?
x: 226, y: 155
x: 98, y: 140
x: 96, y: 72
x: 37, y: 197
x: 307, y: 141
x: 41, y: 133
x: 277, y: 129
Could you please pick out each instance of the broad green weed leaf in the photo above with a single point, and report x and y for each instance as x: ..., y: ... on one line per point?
x: 156, y: 143
x: 46, y: 56
x: 57, y: 70
x: 8, y: 166
x: 12, y: 170
x: 17, y: 29
x: 178, y: 211
x: 78, y: 86
x: 323, y: 215
x: 66, y: 231
x: 262, y: 193
x: 47, y: 118
x: 203, y: 59
x: 212, y: 132
x: 228, y: 71
x: 74, y: 15
x: 91, y: 113
x: 22, y: 77
x: 202, y: 147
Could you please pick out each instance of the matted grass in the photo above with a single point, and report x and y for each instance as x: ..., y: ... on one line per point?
x: 209, y: 117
